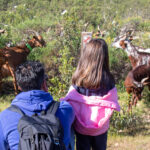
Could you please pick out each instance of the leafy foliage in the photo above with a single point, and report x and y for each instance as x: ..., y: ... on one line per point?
x: 126, y: 122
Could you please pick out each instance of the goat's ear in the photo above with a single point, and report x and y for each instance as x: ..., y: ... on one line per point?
x: 28, y: 38
x: 19, y: 88
x: 123, y: 44
x: 35, y: 37
x: 131, y: 38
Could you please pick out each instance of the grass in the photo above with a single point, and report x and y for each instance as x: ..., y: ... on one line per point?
x: 5, y: 101
x: 4, y: 105
x: 138, y: 142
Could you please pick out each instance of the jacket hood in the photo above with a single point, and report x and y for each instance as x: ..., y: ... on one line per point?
x: 35, y: 100
x: 108, y: 100
x: 92, y: 112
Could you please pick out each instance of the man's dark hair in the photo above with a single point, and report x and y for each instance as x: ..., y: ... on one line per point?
x: 30, y: 75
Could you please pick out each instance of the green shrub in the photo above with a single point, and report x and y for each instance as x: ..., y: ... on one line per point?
x: 125, y: 122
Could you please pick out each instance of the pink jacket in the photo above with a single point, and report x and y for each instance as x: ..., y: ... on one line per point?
x: 92, y: 112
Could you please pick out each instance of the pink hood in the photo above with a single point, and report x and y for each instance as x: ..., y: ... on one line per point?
x: 92, y: 112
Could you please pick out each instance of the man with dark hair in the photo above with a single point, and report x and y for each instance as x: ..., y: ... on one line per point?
x: 34, y: 98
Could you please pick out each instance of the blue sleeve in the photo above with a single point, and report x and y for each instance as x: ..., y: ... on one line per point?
x: 66, y: 115
x: 72, y: 140
x: 2, y: 139
x: 9, y: 135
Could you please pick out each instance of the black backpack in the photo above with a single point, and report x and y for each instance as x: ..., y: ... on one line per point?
x: 40, y: 132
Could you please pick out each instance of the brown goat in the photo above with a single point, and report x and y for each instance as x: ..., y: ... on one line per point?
x: 135, y: 82
x: 2, y: 61
x: 13, y: 56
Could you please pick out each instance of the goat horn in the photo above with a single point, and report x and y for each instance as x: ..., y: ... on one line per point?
x: 136, y: 37
x: 143, y: 80
x: 123, y: 30
x: 2, y: 30
x: 123, y: 36
x: 86, y: 26
x: 98, y: 28
x: 36, y: 33
x: 146, y: 83
x: 137, y: 84
x: 132, y: 32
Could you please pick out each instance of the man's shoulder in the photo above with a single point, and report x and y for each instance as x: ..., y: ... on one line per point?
x: 4, y: 113
x: 8, y: 116
x: 65, y: 104
x: 65, y: 109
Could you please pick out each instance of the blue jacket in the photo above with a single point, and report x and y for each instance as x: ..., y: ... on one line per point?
x: 31, y: 102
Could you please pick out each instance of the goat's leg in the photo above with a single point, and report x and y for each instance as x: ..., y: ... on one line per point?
x: 14, y: 78
x: 129, y: 107
x: 129, y: 101
x: 130, y: 104
x: 135, y: 101
x: 149, y: 87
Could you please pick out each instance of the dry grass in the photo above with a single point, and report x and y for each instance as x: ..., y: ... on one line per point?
x: 4, y: 105
x: 128, y: 143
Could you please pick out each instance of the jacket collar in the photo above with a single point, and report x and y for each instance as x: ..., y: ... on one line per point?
x: 34, y: 100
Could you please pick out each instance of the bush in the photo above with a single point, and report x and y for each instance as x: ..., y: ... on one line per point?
x: 125, y: 122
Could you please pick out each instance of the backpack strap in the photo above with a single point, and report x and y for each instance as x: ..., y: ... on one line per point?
x: 16, y: 109
x: 53, y: 107
x: 51, y: 110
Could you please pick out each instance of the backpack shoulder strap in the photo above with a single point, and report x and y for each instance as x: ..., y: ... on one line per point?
x: 53, y: 107
x: 16, y: 109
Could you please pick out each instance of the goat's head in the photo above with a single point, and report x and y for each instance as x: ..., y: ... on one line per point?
x: 122, y: 40
x: 100, y: 33
x: 38, y: 41
x: 139, y: 86
x: 117, y: 41
x: 137, y: 90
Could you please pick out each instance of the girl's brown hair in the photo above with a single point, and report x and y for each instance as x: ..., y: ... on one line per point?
x: 93, y: 66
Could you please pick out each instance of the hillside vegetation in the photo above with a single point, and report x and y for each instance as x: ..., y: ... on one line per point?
x: 61, y: 22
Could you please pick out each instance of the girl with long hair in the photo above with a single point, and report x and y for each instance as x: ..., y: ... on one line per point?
x: 93, y: 96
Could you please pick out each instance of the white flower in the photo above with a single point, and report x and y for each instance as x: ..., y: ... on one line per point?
x: 65, y: 11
